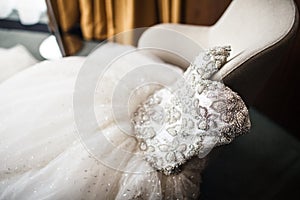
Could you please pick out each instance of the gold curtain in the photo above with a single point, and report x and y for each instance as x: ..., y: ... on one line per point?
x: 101, y: 19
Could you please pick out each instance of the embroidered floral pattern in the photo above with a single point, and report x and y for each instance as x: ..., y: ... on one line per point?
x: 197, y: 115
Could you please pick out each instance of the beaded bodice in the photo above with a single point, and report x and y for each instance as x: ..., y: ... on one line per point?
x: 191, y: 117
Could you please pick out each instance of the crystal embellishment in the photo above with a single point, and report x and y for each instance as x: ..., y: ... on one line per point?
x: 192, y: 118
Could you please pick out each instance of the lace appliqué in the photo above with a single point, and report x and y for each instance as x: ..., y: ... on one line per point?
x: 191, y: 117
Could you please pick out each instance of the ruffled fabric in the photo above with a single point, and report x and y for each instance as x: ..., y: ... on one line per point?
x: 10, y: 65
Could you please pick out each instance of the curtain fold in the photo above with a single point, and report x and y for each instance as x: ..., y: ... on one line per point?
x: 101, y: 19
x: 68, y: 14
x: 170, y: 11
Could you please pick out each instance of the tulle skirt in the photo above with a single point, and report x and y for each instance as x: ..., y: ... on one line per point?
x: 45, y: 155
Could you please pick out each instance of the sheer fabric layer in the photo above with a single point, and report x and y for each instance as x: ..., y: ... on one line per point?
x: 42, y: 156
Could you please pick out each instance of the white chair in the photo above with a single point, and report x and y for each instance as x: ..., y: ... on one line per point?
x: 258, y: 31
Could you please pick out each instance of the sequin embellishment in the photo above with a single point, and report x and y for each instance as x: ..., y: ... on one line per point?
x: 174, y: 125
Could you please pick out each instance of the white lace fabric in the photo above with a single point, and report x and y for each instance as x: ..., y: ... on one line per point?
x: 191, y: 117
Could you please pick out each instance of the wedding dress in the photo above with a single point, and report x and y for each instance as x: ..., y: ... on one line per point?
x: 157, y: 151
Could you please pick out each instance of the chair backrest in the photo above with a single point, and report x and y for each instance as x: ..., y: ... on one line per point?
x: 253, y: 24
x: 259, y: 31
